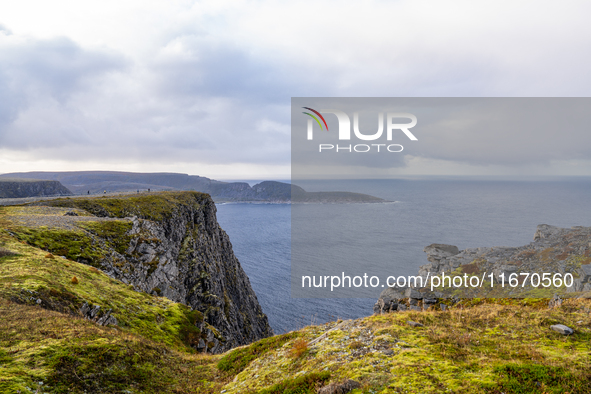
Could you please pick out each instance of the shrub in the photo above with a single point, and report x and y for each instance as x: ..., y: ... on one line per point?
x: 74, y: 280
x: 299, y: 348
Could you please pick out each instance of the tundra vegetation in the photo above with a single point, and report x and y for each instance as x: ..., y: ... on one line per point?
x: 48, y: 346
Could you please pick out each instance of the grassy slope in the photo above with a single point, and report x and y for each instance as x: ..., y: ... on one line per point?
x: 505, y: 346
x: 148, y: 350
x: 483, y: 347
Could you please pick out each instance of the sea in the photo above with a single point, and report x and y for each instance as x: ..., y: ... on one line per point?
x: 458, y: 211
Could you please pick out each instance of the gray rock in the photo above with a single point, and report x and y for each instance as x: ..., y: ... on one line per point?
x: 392, y: 293
x: 385, y: 306
x: 585, y: 273
x: 555, y: 302
x: 412, y: 293
x: 414, y: 324
x: 340, y: 388
x: 562, y: 329
x: 415, y: 308
x: 437, y: 252
x: 443, y: 307
x: 544, y: 231
x: 378, y: 307
x: 94, y: 314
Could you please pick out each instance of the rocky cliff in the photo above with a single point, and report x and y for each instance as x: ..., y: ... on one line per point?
x: 167, y: 244
x: 20, y: 188
x: 554, y: 250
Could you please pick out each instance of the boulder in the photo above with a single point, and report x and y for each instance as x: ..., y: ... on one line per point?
x: 562, y: 329
x: 412, y: 293
x: 340, y: 388
x: 392, y: 293
x: 544, y: 231
x: 437, y: 252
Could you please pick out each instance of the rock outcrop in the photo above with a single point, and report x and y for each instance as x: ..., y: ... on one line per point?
x: 171, y: 245
x: 21, y: 188
x: 554, y: 250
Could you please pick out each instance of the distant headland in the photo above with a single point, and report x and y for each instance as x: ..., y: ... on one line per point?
x: 99, y: 182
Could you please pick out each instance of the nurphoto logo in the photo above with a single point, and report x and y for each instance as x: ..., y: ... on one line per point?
x: 344, y: 132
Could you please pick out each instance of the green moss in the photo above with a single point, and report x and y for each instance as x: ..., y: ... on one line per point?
x: 535, y: 378
x: 45, y: 351
x: 73, y: 244
x: 114, y: 232
x: 154, y: 206
x: 305, y: 384
x: 29, y: 276
x: 74, y: 368
x: 237, y: 360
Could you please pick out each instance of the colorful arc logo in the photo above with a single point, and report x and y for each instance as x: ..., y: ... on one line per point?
x: 315, y: 118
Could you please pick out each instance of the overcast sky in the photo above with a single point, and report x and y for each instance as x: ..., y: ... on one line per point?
x: 204, y: 87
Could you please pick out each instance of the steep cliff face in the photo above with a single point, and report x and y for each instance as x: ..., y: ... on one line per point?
x: 171, y: 244
x: 19, y: 188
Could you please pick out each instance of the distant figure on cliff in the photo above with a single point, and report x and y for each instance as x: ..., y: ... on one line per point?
x: 105, y: 192
x: 89, y: 192
x: 148, y: 190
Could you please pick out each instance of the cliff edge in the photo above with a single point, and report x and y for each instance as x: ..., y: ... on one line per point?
x: 167, y: 244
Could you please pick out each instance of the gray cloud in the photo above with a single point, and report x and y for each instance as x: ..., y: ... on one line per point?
x: 56, y: 67
x: 40, y: 80
x: 213, y: 85
x: 514, y: 133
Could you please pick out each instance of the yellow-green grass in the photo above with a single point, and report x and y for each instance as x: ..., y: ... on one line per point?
x: 33, y: 275
x: 477, y: 346
x: 152, y: 206
x: 482, y: 347
x: 56, y: 353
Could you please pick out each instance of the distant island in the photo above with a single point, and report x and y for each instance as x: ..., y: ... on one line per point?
x: 98, y: 182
